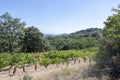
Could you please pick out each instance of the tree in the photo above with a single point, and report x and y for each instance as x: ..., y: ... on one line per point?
x: 11, y: 30
x: 33, y: 41
x: 108, y: 57
x: 112, y: 33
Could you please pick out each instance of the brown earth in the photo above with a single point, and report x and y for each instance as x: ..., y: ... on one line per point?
x: 41, y: 72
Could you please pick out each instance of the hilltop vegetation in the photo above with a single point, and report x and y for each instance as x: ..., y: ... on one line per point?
x: 78, y: 40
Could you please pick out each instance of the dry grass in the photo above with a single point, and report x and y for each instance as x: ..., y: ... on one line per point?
x: 78, y: 71
x: 84, y: 72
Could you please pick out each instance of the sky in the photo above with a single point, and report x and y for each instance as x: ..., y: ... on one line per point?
x: 60, y: 16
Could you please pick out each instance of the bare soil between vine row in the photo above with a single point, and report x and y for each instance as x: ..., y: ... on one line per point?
x: 41, y: 71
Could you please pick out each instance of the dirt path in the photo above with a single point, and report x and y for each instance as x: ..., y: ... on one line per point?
x: 40, y: 72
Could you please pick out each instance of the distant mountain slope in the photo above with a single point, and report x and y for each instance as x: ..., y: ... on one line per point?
x: 91, y: 32
x: 64, y: 34
x: 52, y: 35
x: 47, y: 35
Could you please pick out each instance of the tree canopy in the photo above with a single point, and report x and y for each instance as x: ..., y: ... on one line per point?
x: 33, y: 41
x: 11, y: 30
x: 14, y: 37
x: 109, y: 53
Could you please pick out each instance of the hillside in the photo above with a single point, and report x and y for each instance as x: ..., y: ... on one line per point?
x: 77, y: 40
x: 90, y: 32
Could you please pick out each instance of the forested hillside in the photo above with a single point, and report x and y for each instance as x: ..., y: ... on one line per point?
x: 78, y: 40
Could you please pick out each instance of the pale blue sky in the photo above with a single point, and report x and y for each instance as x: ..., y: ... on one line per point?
x: 60, y: 16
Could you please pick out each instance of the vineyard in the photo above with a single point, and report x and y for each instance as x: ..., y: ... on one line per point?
x: 59, y: 42
x: 7, y: 61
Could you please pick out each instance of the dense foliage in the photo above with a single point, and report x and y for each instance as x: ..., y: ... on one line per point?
x: 78, y: 40
x: 108, y: 57
x: 33, y: 41
x: 14, y: 37
x: 11, y: 30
